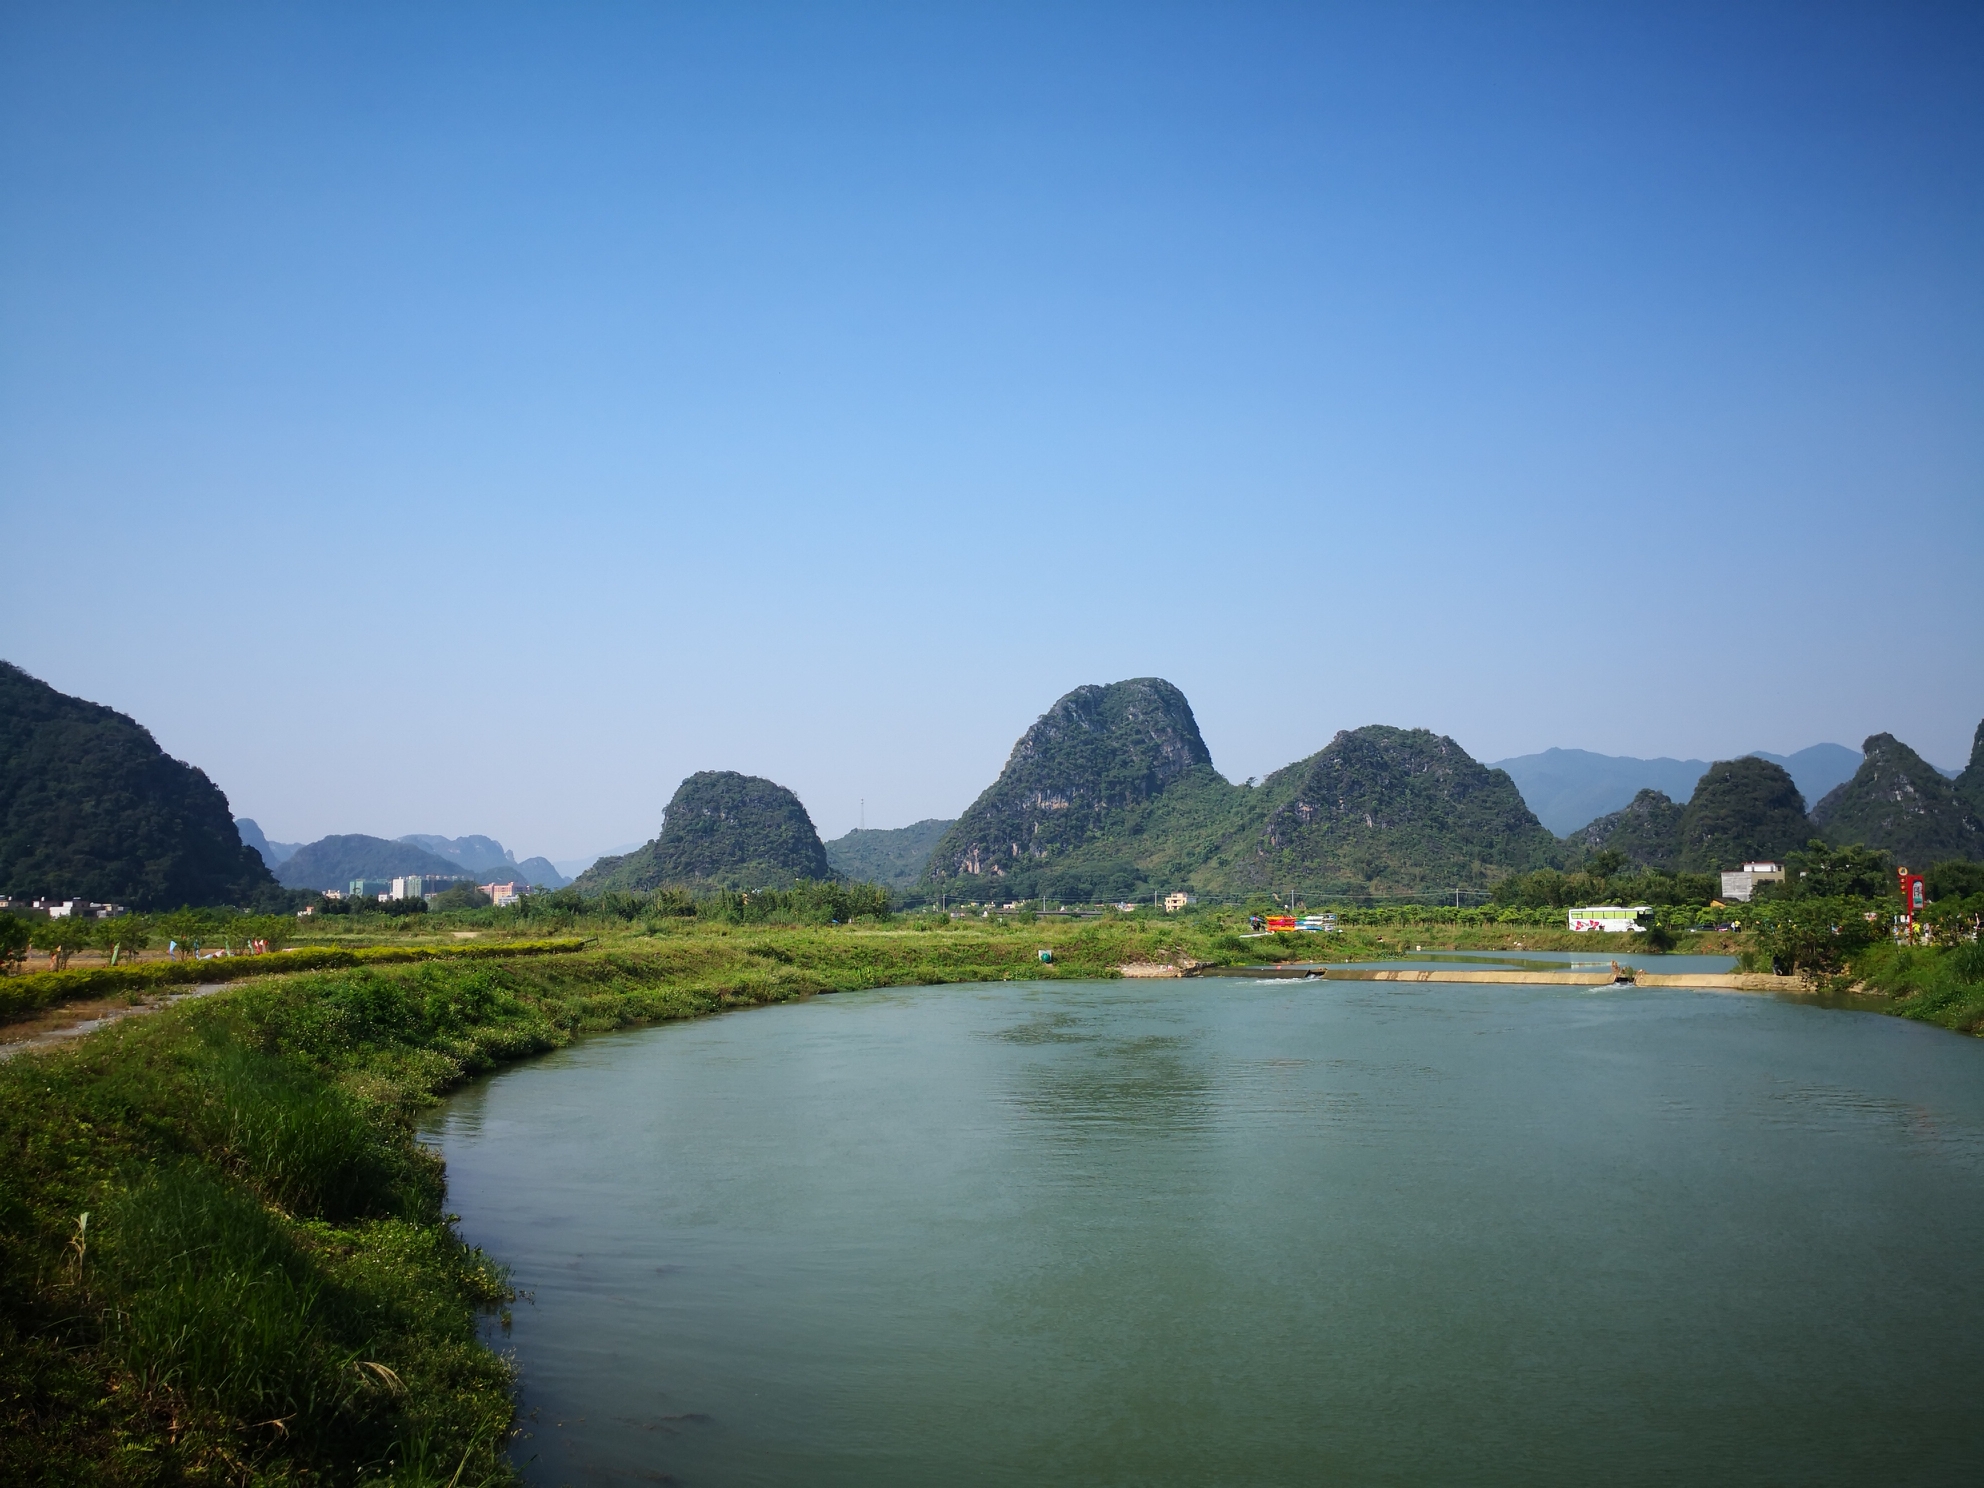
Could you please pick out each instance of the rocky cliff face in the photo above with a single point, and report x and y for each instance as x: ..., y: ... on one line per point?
x: 91, y: 807
x: 1899, y: 802
x: 1075, y: 779
x: 1970, y: 784
x: 1113, y: 794
x: 723, y: 828
x: 1397, y: 810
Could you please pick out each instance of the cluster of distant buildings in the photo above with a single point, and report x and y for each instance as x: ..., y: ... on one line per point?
x: 63, y: 909
x: 420, y: 885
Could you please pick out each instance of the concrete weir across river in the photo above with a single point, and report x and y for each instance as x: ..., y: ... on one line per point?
x: 1586, y: 976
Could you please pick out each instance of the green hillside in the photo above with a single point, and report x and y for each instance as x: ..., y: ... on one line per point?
x: 1647, y: 832
x: 1079, y: 778
x: 1392, y: 810
x: 892, y: 856
x: 1751, y: 808
x: 1744, y: 808
x: 333, y: 862
x: 1112, y: 794
x: 1898, y: 802
x: 721, y: 828
x: 91, y: 807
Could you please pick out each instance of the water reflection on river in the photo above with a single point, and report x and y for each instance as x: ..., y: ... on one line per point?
x: 1242, y: 1232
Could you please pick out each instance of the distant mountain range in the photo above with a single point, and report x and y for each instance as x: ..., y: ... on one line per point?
x: 1110, y: 794
x: 333, y: 862
x: 1751, y: 808
x: 1567, y: 788
x: 272, y: 852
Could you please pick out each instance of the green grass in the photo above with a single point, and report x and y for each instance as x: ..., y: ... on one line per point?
x: 1943, y: 985
x: 41, y: 989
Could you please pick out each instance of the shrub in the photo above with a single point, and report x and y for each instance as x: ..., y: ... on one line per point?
x: 1816, y: 937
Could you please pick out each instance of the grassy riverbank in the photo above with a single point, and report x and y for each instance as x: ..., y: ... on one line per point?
x: 266, y: 1288
x: 45, y: 989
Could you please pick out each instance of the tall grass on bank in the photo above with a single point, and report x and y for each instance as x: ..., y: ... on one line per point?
x: 48, y: 988
x: 223, y: 1257
x: 1943, y: 985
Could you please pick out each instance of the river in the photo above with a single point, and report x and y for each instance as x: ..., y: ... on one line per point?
x: 1239, y: 1232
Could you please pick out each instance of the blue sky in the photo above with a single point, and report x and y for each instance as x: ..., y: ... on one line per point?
x: 473, y: 419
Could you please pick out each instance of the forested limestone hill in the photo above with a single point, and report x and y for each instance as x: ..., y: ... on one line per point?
x: 1396, y: 811
x: 1567, y: 787
x: 1078, y: 777
x: 721, y: 828
x: 1751, y: 808
x: 1112, y: 794
x: 1647, y: 832
x: 91, y: 807
x: 1899, y: 802
x: 1742, y: 808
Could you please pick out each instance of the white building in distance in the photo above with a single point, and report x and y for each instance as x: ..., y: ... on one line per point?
x: 1740, y: 886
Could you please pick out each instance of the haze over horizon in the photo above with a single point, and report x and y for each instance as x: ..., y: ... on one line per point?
x: 473, y: 422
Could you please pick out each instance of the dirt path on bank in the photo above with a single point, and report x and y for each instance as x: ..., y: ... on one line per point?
x: 53, y: 1027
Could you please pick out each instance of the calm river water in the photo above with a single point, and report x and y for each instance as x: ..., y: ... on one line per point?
x: 1239, y: 1232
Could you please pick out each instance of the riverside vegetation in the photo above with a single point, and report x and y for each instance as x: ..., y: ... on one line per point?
x: 225, y: 1259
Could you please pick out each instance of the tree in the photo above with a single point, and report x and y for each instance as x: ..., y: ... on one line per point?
x: 61, y: 939
x: 1823, y: 871
x: 1954, y: 880
x: 182, y: 930
x: 1817, y: 937
x: 125, y: 936
x: 271, y: 931
x: 15, y: 937
x: 460, y: 896
x: 1658, y: 935
x: 1952, y: 921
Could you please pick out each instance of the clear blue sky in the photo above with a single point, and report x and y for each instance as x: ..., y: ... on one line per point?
x: 474, y: 418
